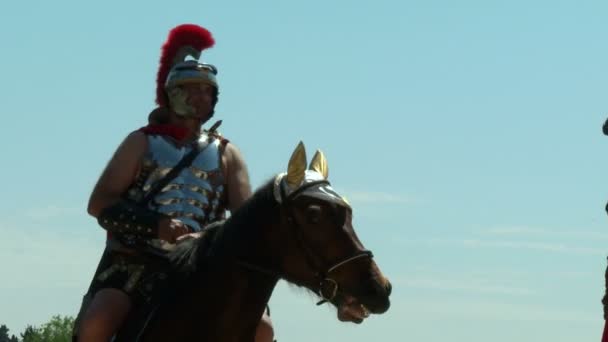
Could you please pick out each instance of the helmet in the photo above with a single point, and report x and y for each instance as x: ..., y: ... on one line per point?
x: 175, y: 69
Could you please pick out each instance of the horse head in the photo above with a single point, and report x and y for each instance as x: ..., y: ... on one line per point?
x: 322, y: 251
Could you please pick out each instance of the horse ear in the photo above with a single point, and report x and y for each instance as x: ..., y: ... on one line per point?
x: 319, y: 164
x: 297, y: 166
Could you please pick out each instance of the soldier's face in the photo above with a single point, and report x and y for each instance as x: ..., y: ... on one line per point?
x: 200, y: 97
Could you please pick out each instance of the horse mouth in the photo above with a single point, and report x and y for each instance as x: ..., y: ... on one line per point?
x: 373, y: 300
x: 376, y: 305
x: 358, y: 309
x: 353, y: 313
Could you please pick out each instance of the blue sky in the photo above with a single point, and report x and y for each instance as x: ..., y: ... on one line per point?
x: 466, y: 134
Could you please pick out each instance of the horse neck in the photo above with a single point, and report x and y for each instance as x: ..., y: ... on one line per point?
x: 237, y: 301
x: 223, y: 303
x: 225, y: 300
x: 246, y: 271
x: 251, y: 236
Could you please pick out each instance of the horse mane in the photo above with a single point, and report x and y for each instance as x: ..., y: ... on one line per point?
x: 225, y: 238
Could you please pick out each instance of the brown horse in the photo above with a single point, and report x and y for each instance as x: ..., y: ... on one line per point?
x: 295, y: 227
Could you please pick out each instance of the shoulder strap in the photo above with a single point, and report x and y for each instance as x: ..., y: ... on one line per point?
x: 183, y: 163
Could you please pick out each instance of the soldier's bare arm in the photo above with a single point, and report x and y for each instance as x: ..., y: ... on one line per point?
x: 119, y: 174
x: 107, y: 204
x: 237, y: 177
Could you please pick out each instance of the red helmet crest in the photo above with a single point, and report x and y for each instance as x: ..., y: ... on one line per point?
x: 182, y: 39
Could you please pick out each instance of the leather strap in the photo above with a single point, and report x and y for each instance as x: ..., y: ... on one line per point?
x: 185, y: 162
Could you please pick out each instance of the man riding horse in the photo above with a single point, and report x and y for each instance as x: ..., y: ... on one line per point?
x: 164, y: 184
x: 140, y: 223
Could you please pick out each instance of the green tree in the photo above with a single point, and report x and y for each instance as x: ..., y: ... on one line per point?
x: 4, y: 337
x: 58, y: 329
x: 31, y: 334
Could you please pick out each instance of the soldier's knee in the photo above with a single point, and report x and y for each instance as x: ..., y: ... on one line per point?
x: 95, y: 328
x: 104, y: 316
x: 264, y: 331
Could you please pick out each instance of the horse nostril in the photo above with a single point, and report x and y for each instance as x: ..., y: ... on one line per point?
x: 383, y: 288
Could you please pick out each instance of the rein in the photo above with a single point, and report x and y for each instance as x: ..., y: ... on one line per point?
x: 328, y: 288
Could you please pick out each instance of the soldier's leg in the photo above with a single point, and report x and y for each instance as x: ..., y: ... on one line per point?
x: 104, y: 316
x: 104, y: 262
x: 264, y: 331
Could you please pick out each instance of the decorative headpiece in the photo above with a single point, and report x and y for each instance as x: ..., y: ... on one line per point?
x: 310, y: 181
x: 175, y: 69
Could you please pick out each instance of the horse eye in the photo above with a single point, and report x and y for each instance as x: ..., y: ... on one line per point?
x: 340, y: 216
x: 313, y: 214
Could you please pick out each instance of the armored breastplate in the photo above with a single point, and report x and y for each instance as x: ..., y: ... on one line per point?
x: 196, y: 195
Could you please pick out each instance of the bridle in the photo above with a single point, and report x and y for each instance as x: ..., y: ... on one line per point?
x: 328, y: 288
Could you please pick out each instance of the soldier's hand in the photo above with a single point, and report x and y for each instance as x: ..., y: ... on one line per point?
x: 189, y: 236
x: 170, y: 229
